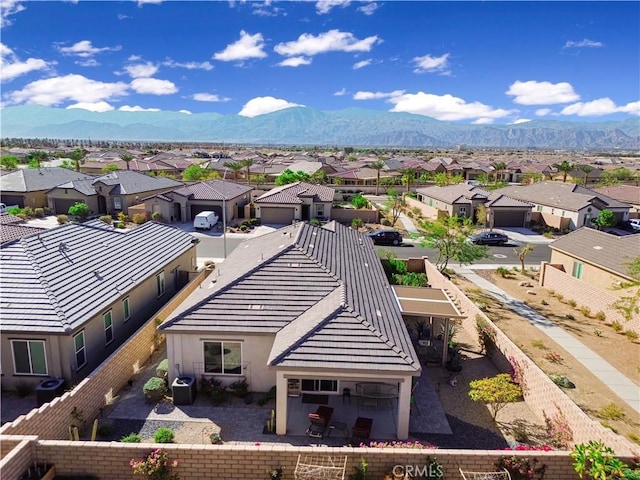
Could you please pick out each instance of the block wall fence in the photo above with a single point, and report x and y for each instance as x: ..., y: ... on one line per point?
x: 541, y: 395
x: 586, y: 295
x: 52, y: 420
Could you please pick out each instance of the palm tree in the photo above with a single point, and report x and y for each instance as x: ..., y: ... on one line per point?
x: 126, y: 158
x: 76, y: 156
x: 586, y: 169
x: 377, y: 166
x: 37, y: 156
x: 565, y: 167
x: 247, y: 163
x: 408, y: 174
x: 235, y: 167
x: 499, y: 167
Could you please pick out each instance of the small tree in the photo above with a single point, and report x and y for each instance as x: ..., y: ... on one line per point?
x: 606, y: 218
x: 394, y: 204
x: 80, y: 210
x: 9, y: 162
x: 565, y: 167
x: 482, y: 214
x: 522, y: 254
x: 358, y: 201
x: 496, y: 391
x: 377, y: 166
x: 109, y: 167
x: 449, y: 237
x: 194, y: 173
x: 126, y: 158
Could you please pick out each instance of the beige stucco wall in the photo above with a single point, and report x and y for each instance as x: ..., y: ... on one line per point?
x: 70, y: 194
x: 591, y: 274
x: 60, y: 351
x: 187, y: 350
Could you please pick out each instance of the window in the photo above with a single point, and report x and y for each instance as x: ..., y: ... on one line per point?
x: 538, y: 208
x: 316, y: 385
x: 81, y: 355
x: 108, y: 327
x: 117, y: 203
x: 462, y: 211
x: 431, y: 202
x: 160, y: 283
x: 126, y: 313
x: 577, y: 270
x: 223, y: 357
x: 319, y: 210
x: 176, y: 278
x: 29, y: 357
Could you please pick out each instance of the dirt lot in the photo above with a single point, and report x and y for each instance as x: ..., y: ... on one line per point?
x: 597, y: 400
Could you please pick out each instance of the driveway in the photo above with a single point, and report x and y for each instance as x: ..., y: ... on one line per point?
x: 524, y: 235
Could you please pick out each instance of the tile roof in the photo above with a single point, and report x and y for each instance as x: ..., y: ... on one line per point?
x: 83, y: 186
x: 127, y: 182
x: 213, y: 190
x: 7, y: 218
x: 623, y: 193
x: 567, y: 196
x: 37, y: 179
x: 600, y: 248
x: 464, y: 193
x: 320, y: 290
x: 56, y: 280
x: 10, y: 232
x: 293, y: 192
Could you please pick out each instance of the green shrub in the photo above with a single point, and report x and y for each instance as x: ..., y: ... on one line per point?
x: 601, y: 316
x: 79, y: 209
x: 586, y: 311
x: 386, y: 222
x: 243, y: 228
x: 539, y: 344
x: 357, y: 223
x: 163, y: 435
x: 156, y: 216
x: 254, y: 221
x: 611, y: 412
x: 561, y: 380
x: 503, y: 272
x: 617, y: 326
x: 239, y: 388
x: 28, y: 211
x: 631, y: 335
x: 155, y: 388
x: 597, y: 332
x: 62, y: 219
x: 572, y: 303
x: 139, y: 218
x: 39, y: 212
x: 131, y: 438
x: 162, y: 369
x: 108, y: 219
x: 122, y: 217
x: 315, y: 222
x: 358, y: 201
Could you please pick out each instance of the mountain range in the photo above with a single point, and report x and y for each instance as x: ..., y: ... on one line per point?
x: 308, y: 126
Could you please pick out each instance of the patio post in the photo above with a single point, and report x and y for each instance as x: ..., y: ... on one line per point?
x: 404, y: 408
x: 281, y: 404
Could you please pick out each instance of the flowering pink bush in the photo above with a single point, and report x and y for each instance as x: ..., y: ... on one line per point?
x: 396, y: 444
x: 155, y: 466
x: 522, y: 468
x: 544, y: 448
x: 558, y: 430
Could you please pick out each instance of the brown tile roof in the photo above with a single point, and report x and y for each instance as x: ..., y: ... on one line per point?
x: 292, y: 194
x: 623, y: 193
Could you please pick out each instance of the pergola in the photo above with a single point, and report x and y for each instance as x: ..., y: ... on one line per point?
x: 429, y: 304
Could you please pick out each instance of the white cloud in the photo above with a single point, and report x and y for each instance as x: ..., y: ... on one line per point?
x: 369, y: 9
x: 483, y: 121
x: 56, y: 90
x: 340, y: 93
x: 122, y: 16
x: 249, y: 46
x: 265, y: 9
x: 85, y: 49
x: 294, y: 62
x: 543, y: 112
x: 325, y: 6
x: 377, y: 95
x: 186, y: 112
x: 521, y: 120
x: 542, y: 93
x: 7, y: 8
x: 583, y: 43
x: 153, y: 86
x: 428, y: 63
x: 208, y: 97
x: 149, y: 2
x: 137, y: 108
x: 89, y: 62
x: 361, y: 64
x: 445, y: 107
x: 11, y: 67
x: 188, y: 65
x: 261, y: 105
x: 599, y: 107
x: 144, y: 70
x: 331, y: 41
x: 93, y: 107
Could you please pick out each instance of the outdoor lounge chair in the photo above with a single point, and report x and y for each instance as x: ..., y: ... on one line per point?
x: 501, y: 475
x: 362, y: 428
x: 319, y: 421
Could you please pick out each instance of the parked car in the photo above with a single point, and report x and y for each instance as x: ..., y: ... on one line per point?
x: 632, y: 225
x: 489, y: 238
x: 205, y: 220
x: 386, y: 237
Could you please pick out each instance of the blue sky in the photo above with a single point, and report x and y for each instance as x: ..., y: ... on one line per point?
x: 467, y: 62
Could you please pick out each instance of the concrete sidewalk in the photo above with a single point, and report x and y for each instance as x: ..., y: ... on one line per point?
x: 628, y: 391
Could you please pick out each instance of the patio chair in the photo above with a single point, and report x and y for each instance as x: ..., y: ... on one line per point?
x: 501, y: 475
x: 362, y: 428
x: 319, y: 421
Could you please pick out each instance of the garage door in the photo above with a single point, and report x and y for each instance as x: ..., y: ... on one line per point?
x: 196, y: 209
x: 276, y: 216
x: 506, y: 218
x: 13, y: 200
x: 61, y: 205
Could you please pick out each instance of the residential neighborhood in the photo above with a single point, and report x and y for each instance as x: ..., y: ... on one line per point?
x: 285, y: 323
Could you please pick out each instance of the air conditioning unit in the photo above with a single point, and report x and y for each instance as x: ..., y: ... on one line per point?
x: 49, y: 389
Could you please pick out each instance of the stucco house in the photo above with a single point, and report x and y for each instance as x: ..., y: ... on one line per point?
x: 295, y: 201
x: 304, y: 308
x: 565, y: 205
x: 463, y: 200
x: 71, y: 295
x: 111, y: 193
x: 27, y: 187
x: 623, y: 193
